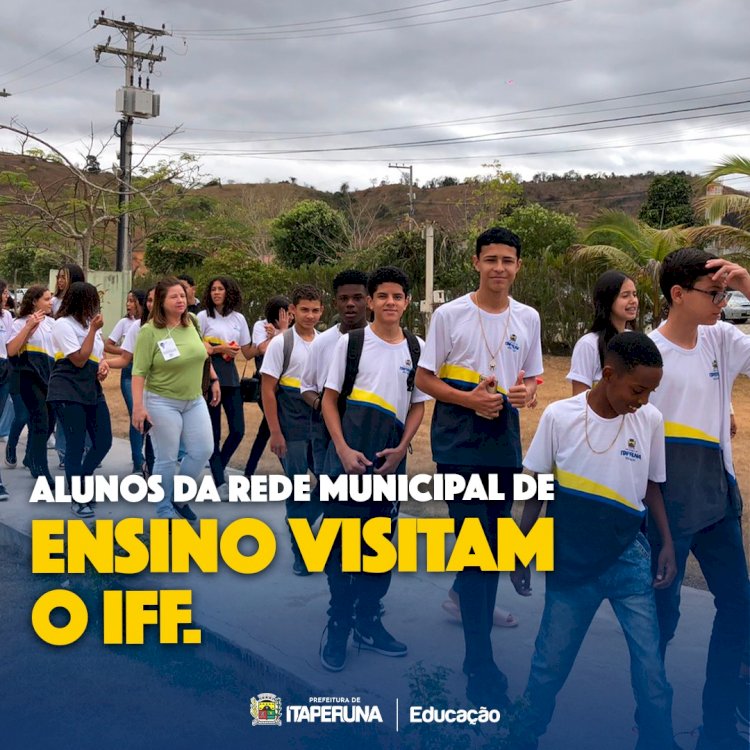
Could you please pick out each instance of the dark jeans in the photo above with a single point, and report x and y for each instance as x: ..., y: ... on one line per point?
x: 231, y: 400
x: 77, y: 421
x: 41, y: 421
x: 720, y: 554
x: 20, y: 420
x: 136, y: 438
x: 356, y: 593
x: 259, y: 445
x: 478, y: 589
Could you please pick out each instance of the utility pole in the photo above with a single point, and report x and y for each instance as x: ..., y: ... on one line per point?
x: 403, y: 169
x: 132, y: 101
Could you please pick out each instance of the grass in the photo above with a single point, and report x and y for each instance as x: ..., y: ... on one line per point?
x: 420, y: 462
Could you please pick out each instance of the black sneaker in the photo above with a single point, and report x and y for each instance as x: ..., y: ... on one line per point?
x: 371, y: 635
x: 10, y: 456
x: 3, y: 492
x: 333, y: 654
x: 488, y: 689
x: 82, y: 510
x: 185, y: 511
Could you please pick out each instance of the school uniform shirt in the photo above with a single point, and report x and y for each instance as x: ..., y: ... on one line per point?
x: 693, y: 397
x: 585, y: 363
x: 128, y: 345
x: 377, y: 407
x: 319, y: 361
x: 175, y: 377
x: 56, y: 302
x: 456, y: 352
x: 294, y: 413
x: 37, y: 355
x: 120, y: 331
x: 598, y: 507
x: 6, y: 325
x: 68, y: 382
x: 259, y: 334
x: 219, y: 330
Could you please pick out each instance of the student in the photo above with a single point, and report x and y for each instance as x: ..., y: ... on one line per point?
x: 188, y: 283
x: 67, y: 275
x: 114, y: 345
x: 606, y: 448
x: 480, y: 363
x: 226, y: 333
x: 167, y: 374
x: 75, y: 390
x: 702, y: 357
x: 276, y: 321
x: 381, y: 414
x: 350, y: 300
x: 32, y: 352
x: 615, y: 310
x: 287, y: 414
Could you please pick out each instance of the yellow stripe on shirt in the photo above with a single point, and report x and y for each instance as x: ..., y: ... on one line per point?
x: 464, y: 376
x: 575, y: 483
x: 675, y: 430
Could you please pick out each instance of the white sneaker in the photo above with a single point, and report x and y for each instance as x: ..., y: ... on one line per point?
x: 51, y: 443
x: 223, y: 492
x: 82, y: 510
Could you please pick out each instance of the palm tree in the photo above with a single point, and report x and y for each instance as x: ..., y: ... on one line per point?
x: 716, y: 207
x: 616, y: 240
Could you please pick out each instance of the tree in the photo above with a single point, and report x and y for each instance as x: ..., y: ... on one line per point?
x: 311, y: 232
x: 542, y: 230
x: 732, y: 208
x: 669, y: 201
x: 616, y: 240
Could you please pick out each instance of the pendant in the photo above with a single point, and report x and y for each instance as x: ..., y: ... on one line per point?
x: 492, y: 365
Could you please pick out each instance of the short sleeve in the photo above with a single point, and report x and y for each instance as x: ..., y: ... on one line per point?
x: 259, y: 332
x: 64, y: 338
x: 244, y: 338
x: 130, y: 338
x: 202, y: 315
x: 585, y: 362
x: 309, y: 381
x: 737, y: 347
x: 143, y: 354
x: 540, y: 458
x: 438, y: 344
x: 273, y: 361
x: 119, y: 330
x: 532, y: 365
x: 657, y: 467
x: 417, y: 396
x: 337, y: 368
x: 16, y: 327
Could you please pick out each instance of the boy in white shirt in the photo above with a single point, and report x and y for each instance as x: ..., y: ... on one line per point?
x: 287, y: 414
x: 702, y: 357
x: 606, y: 448
x: 371, y: 427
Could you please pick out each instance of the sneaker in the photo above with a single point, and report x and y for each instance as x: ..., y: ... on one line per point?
x: 371, y: 635
x: 82, y: 510
x: 488, y: 689
x: 10, y: 456
x: 333, y: 654
x: 223, y: 492
x: 3, y: 492
x: 51, y: 443
x: 185, y: 511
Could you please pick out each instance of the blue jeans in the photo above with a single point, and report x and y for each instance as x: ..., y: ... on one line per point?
x: 20, y: 420
x: 174, y: 422
x: 7, y: 418
x: 298, y: 460
x: 231, y: 402
x: 719, y: 551
x: 568, y: 613
x: 136, y: 439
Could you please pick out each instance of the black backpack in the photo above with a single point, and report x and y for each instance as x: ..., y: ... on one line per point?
x: 354, y: 354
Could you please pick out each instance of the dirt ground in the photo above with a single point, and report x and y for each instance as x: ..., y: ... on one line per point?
x: 554, y: 388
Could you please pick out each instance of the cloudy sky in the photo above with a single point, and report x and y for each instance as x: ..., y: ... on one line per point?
x: 332, y: 92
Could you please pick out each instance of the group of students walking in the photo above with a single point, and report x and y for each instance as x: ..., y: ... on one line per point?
x: 641, y: 452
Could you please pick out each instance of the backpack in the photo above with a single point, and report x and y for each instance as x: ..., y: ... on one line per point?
x: 354, y: 354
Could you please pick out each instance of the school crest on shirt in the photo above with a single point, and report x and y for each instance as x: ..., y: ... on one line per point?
x: 406, y: 367
x: 511, y: 344
x: 714, y: 374
x: 631, y: 453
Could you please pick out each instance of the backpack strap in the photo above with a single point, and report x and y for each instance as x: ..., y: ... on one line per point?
x: 353, y: 355
x: 288, y: 346
x: 414, y: 352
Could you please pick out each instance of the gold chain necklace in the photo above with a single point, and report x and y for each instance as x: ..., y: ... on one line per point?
x: 586, y: 429
x: 493, y: 355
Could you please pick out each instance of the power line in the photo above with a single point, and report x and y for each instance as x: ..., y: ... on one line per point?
x: 46, y: 54
x: 385, y: 28
x: 54, y: 63
x: 59, y: 80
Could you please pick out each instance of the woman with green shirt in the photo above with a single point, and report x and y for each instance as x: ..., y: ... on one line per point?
x: 167, y: 374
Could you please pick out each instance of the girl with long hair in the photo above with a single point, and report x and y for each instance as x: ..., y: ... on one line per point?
x: 68, y: 274
x: 75, y: 390
x: 167, y: 394
x: 615, y: 311
x: 225, y: 330
x: 32, y: 351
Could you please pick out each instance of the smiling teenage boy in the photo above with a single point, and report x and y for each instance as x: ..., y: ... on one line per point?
x: 480, y: 363
x: 372, y: 412
x: 287, y: 414
x: 606, y: 448
x: 702, y: 357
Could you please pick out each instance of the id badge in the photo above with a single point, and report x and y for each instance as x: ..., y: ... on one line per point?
x: 168, y: 349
